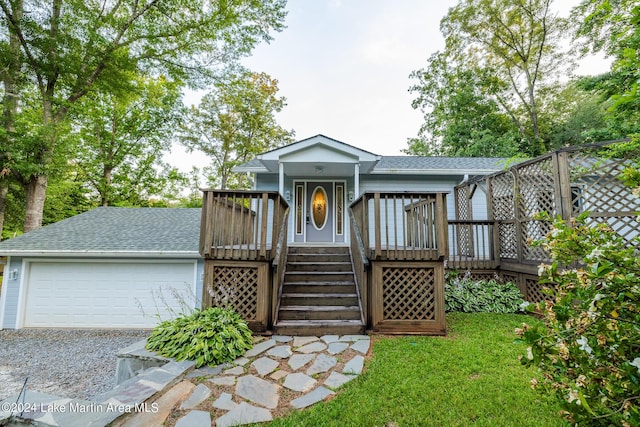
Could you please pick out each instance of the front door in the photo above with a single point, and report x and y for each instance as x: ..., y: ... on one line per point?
x: 319, y: 220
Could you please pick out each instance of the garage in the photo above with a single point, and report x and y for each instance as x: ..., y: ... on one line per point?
x: 102, y: 294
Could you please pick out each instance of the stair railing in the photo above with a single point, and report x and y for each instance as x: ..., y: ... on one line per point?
x: 279, y: 266
x: 360, y: 264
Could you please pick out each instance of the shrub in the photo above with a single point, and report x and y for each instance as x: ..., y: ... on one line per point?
x: 488, y: 296
x: 209, y: 337
x: 588, y: 348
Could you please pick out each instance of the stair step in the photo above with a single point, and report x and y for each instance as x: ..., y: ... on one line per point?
x: 319, y: 327
x: 324, y: 267
x: 319, y: 299
x: 318, y: 276
x: 340, y: 250
x: 319, y: 287
x: 325, y: 312
x: 319, y: 257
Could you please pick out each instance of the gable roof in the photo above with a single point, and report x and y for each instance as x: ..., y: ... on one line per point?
x: 369, y: 163
x: 111, y: 231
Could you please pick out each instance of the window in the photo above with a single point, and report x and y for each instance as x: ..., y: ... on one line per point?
x: 339, y: 209
x: 299, y: 208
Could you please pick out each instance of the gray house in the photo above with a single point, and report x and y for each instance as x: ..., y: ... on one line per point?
x: 382, y: 217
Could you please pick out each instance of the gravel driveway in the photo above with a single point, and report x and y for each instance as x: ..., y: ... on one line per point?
x: 70, y: 363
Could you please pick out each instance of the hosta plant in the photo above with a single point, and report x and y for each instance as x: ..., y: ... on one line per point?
x: 588, y: 349
x: 208, y: 337
x: 488, y: 296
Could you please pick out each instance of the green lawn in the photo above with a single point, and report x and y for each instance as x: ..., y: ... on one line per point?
x: 470, y: 377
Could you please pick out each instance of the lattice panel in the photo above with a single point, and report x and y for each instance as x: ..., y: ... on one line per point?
x: 463, y: 203
x: 408, y: 293
x: 596, y: 185
x: 534, y: 290
x: 508, y: 241
x: 502, y: 188
x: 625, y: 226
x: 237, y: 286
x: 536, y: 192
x: 531, y: 231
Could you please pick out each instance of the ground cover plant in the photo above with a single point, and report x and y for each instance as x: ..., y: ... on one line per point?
x: 470, y: 377
x: 209, y: 337
x: 461, y: 293
x: 589, y: 345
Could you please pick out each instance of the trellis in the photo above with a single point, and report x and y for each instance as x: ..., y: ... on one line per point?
x: 563, y: 183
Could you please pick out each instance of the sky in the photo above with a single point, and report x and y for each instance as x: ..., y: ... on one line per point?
x: 344, y: 65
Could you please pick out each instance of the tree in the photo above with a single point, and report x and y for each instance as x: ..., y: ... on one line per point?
x: 235, y: 122
x: 66, y: 47
x: 514, y: 48
x: 123, y: 136
x: 459, y: 119
x: 613, y: 27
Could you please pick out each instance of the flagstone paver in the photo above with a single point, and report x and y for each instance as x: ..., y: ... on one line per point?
x: 260, y: 348
x: 277, y: 375
x: 300, y: 341
x: 309, y: 399
x: 238, y: 370
x: 297, y: 361
x: 361, y: 346
x: 330, y: 338
x: 354, y: 366
x: 314, y: 347
x: 264, y: 393
x: 354, y: 337
x: 225, y: 401
x: 244, y: 414
x: 241, y: 361
x: 195, y: 419
x: 265, y: 366
x: 299, y: 382
x: 337, y: 347
x: 337, y: 380
x: 322, y: 364
x: 198, y: 395
x: 282, y: 338
x: 280, y: 352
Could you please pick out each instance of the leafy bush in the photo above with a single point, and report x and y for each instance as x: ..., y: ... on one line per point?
x: 209, y: 337
x: 588, y: 348
x: 488, y: 296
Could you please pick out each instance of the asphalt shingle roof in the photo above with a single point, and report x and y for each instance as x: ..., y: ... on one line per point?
x: 431, y: 163
x: 111, y: 229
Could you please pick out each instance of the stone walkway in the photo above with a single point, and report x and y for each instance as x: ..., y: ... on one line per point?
x: 279, y: 374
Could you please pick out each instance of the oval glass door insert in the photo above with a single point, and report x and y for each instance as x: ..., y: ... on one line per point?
x: 319, y: 207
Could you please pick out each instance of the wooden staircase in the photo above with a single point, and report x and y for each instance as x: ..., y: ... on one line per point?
x: 319, y: 294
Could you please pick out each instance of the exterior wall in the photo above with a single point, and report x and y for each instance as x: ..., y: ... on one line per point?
x: 11, y: 289
x: 413, y: 183
x: 11, y: 293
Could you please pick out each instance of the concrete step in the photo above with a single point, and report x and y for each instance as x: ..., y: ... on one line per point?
x: 324, y: 266
x: 337, y: 299
x: 321, y: 312
x: 319, y: 327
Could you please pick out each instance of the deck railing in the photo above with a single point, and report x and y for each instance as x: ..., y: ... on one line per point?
x: 473, y: 244
x: 241, y: 225
x: 402, y: 226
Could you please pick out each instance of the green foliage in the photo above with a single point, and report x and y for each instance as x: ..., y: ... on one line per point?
x: 488, y: 296
x: 209, y: 337
x: 589, y: 346
x: 235, y: 122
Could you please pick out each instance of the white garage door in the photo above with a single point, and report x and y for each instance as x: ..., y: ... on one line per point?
x: 104, y: 295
